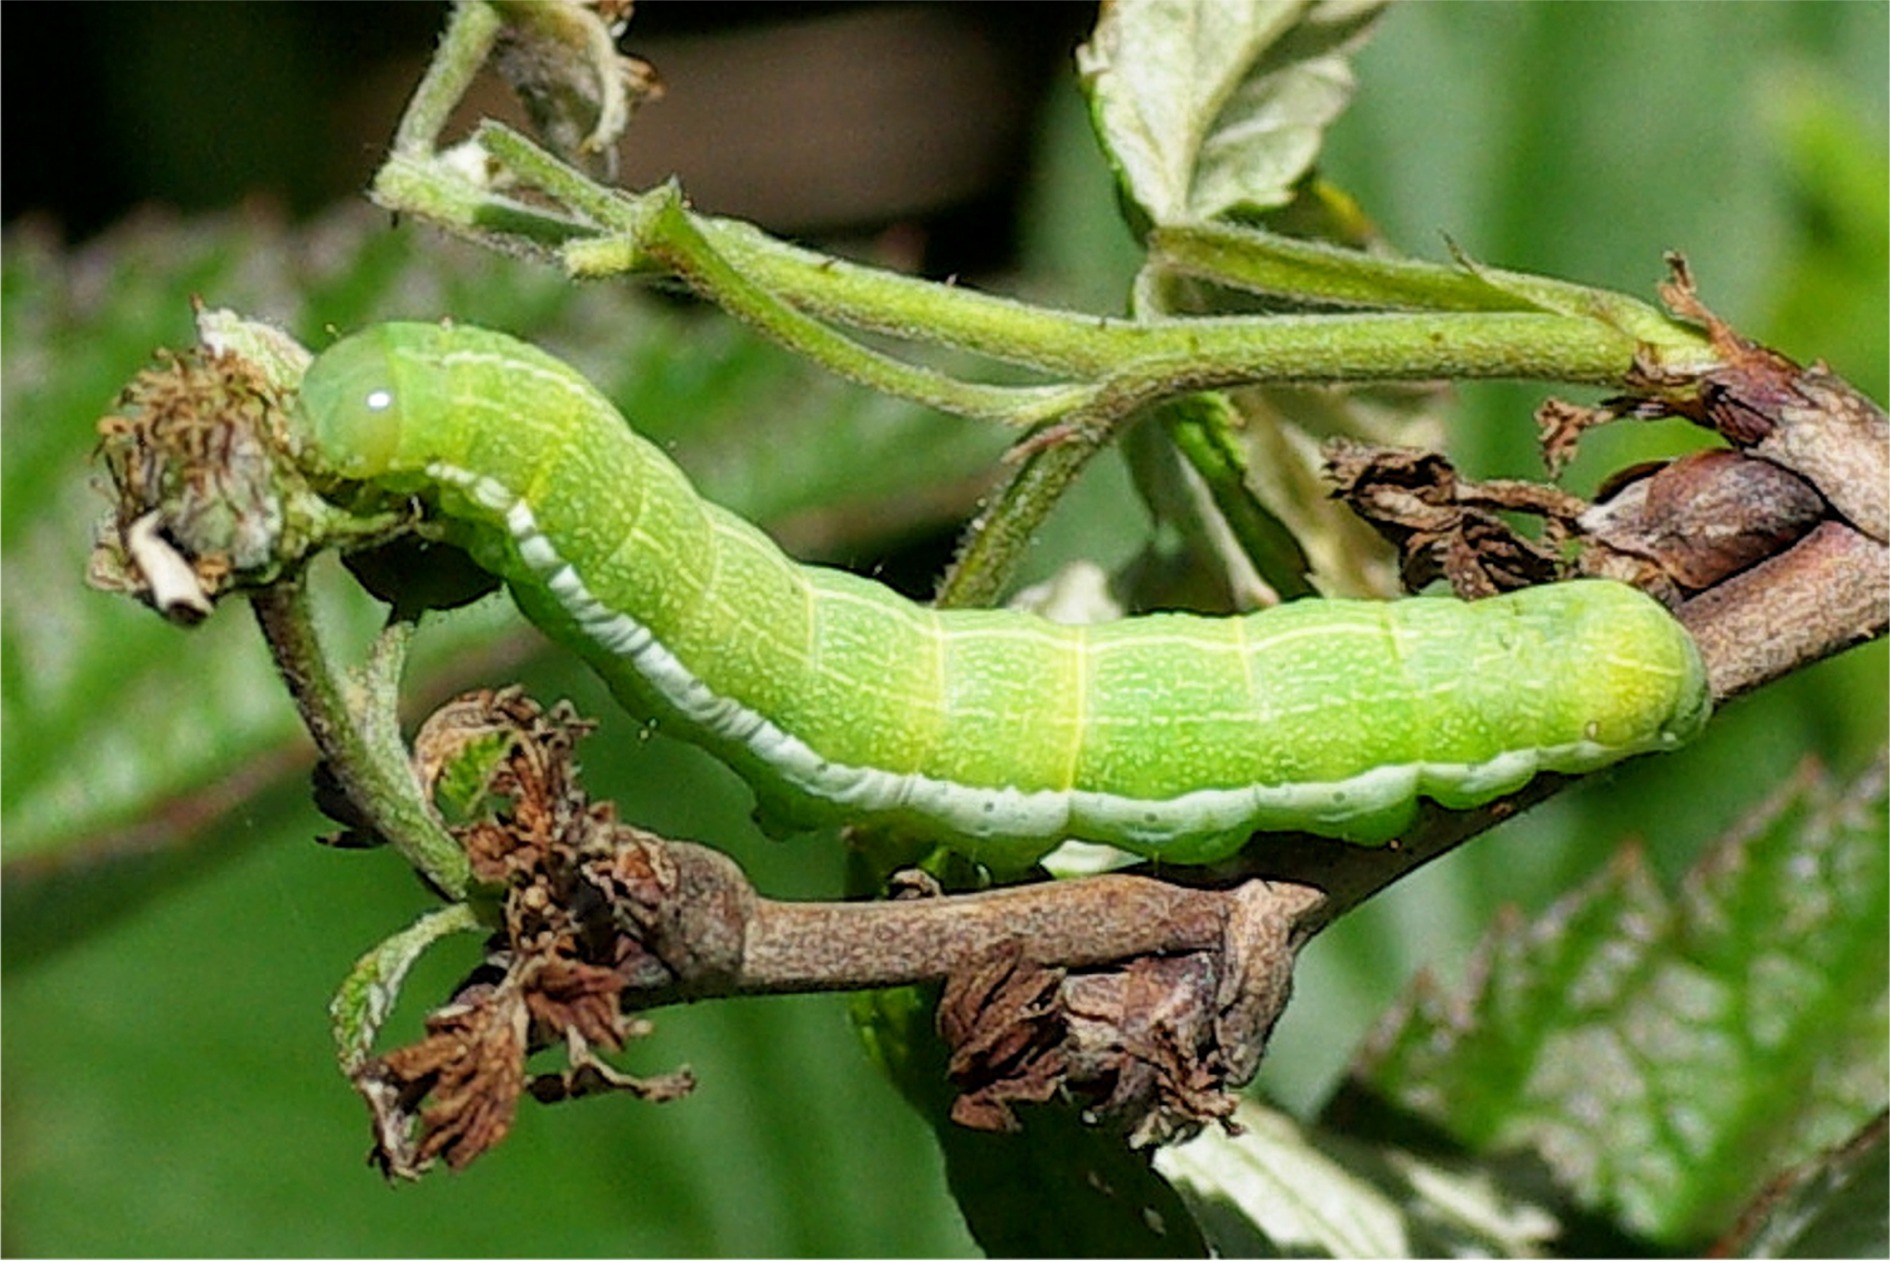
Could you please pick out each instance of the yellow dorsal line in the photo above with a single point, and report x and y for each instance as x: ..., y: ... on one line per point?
x: 1081, y: 647
x: 1246, y: 664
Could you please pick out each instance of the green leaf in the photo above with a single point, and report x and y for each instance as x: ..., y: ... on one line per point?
x: 1666, y: 1056
x: 1063, y: 1189
x: 1276, y: 1189
x: 368, y: 995
x: 1214, y: 108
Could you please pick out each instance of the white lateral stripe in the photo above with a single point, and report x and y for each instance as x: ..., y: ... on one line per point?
x: 977, y: 811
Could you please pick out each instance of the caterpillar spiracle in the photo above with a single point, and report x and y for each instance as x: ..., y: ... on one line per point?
x: 995, y: 732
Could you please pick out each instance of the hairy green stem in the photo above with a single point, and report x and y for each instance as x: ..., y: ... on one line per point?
x: 1312, y: 271
x: 1044, y: 338
x: 997, y: 539
x: 672, y: 240
x: 355, y: 730
x: 1552, y: 331
x: 1191, y: 352
x: 1308, y: 271
x: 463, y: 49
x: 435, y: 191
x: 611, y: 210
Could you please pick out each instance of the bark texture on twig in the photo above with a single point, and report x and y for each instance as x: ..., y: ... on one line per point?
x: 1148, y: 1000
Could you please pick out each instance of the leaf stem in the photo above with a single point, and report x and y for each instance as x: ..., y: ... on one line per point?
x: 463, y: 49
x: 1311, y: 271
x: 1188, y: 352
x: 672, y: 239
x: 355, y: 729
x: 997, y: 539
x: 1549, y: 330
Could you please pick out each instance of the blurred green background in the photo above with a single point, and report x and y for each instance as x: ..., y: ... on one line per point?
x: 171, y: 935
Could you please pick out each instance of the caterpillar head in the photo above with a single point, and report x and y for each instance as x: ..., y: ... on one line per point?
x: 352, y: 407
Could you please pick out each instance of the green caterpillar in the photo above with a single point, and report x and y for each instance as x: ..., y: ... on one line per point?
x: 998, y: 733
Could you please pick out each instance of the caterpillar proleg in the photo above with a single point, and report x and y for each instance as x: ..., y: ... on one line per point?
x: 996, y: 732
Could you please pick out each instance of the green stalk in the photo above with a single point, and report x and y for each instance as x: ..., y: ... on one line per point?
x: 652, y: 231
x: 463, y: 49
x: 670, y: 238
x: 1553, y: 331
x: 1266, y: 263
x: 998, y: 538
x: 357, y: 734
